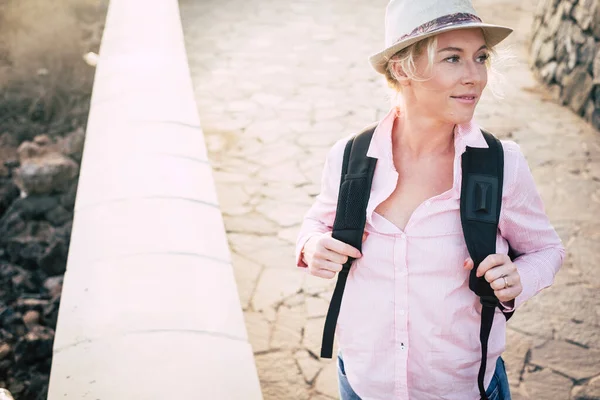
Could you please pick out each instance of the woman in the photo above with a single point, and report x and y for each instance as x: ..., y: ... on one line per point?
x: 409, y: 324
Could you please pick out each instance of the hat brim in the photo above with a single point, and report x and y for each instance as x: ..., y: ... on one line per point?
x: 494, y: 34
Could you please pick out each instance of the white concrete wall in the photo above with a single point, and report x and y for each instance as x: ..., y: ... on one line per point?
x: 149, y: 307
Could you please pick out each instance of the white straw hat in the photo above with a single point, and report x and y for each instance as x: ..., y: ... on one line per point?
x: 408, y: 21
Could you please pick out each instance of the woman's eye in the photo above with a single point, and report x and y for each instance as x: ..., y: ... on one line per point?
x: 452, y: 59
x: 483, y: 58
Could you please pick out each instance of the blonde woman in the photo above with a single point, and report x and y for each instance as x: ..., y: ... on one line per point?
x: 409, y: 325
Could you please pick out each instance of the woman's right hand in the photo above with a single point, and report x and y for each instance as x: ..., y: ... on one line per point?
x: 325, y: 255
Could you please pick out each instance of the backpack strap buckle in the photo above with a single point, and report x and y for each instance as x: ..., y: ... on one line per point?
x: 482, y: 198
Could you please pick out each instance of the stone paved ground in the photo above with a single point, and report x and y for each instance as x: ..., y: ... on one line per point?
x: 277, y: 84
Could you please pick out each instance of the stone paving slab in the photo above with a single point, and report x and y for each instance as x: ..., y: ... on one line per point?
x: 277, y: 83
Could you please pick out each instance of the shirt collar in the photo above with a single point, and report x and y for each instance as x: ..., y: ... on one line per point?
x: 381, y: 143
x: 467, y: 134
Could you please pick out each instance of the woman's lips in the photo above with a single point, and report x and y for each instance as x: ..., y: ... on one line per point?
x: 465, y: 99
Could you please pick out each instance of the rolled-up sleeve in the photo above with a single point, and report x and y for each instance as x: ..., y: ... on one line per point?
x: 319, y: 218
x: 524, y: 223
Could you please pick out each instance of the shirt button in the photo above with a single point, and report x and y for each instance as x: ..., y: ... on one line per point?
x: 403, y: 235
x: 402, y: 346
x: 401, y: 312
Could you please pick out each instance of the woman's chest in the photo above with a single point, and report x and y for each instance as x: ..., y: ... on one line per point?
x: 414, y: 187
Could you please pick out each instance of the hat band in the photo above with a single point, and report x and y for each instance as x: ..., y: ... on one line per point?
x: 441, y: 22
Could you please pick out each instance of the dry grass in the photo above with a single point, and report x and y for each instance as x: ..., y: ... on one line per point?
x: 41, y: 46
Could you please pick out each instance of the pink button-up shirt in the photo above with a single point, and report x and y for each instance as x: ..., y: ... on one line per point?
x: 409, y: 324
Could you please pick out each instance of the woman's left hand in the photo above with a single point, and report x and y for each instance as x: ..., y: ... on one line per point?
x: 501, y: 273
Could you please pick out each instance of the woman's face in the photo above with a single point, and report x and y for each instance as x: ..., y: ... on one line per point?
x: 457, y: 78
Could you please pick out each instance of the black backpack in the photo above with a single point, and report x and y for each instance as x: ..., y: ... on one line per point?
x: 480, y: 202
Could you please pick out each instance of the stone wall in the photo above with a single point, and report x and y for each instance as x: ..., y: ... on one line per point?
x: 565, y: 53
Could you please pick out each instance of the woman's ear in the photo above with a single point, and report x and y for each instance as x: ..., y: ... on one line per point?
x: 400, y: 75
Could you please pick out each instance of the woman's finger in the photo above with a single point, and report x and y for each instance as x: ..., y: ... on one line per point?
x: 326, y: 265
x: 340, y: 247
x: 498, y: 271
x: 323, y: 273
x: 491, y: 261
x: 469, y: 264
x: 332, y: 256
x: 508, y: 294
x: 503, y: 282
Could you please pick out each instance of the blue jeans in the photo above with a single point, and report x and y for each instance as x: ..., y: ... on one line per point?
x: 498, y: 389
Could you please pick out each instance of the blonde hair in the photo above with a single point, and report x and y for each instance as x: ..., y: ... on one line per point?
x: 408, y: 56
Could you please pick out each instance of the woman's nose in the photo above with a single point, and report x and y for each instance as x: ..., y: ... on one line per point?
x: 473, y: 73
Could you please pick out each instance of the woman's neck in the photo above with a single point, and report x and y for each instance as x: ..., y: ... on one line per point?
x: 420, y: 136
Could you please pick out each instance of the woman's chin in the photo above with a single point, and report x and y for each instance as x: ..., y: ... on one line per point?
x: 461, y: 118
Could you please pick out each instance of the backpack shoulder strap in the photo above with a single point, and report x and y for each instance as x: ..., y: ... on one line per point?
x: 350, y: 219
x: 480, y: 205
x: 355, y: 188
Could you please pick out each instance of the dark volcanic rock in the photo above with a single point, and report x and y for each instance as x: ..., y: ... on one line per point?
x: 9, y: 192
x: 35, y: 345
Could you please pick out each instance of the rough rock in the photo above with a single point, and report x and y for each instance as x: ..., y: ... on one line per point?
x: 54, y: 285
x: 29, y: 246
x: 5, y: 395
x: 12, y: 322
x: 547, y: 52
x: 596, y: 66
x: 42, y: 168
x: 5, y: 350
x: 548, y: 72
x: 554, y: 22
x: 35, y: 345
x: 50, y: 312
x: 582, y: 14
x: 31, y: 318
x: 577, y: 88
x: 59, y: 216
x: 53, y: 259
x: 46, y: 174
x: 30, y: 208
x: 586, y: 52
x: 67, y: 199
x: 596, y: 21
x: 563, y: 40
x: 9, y: 192
x: 14, y: 281
x: 596, y: 118
x: 72, y: 144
